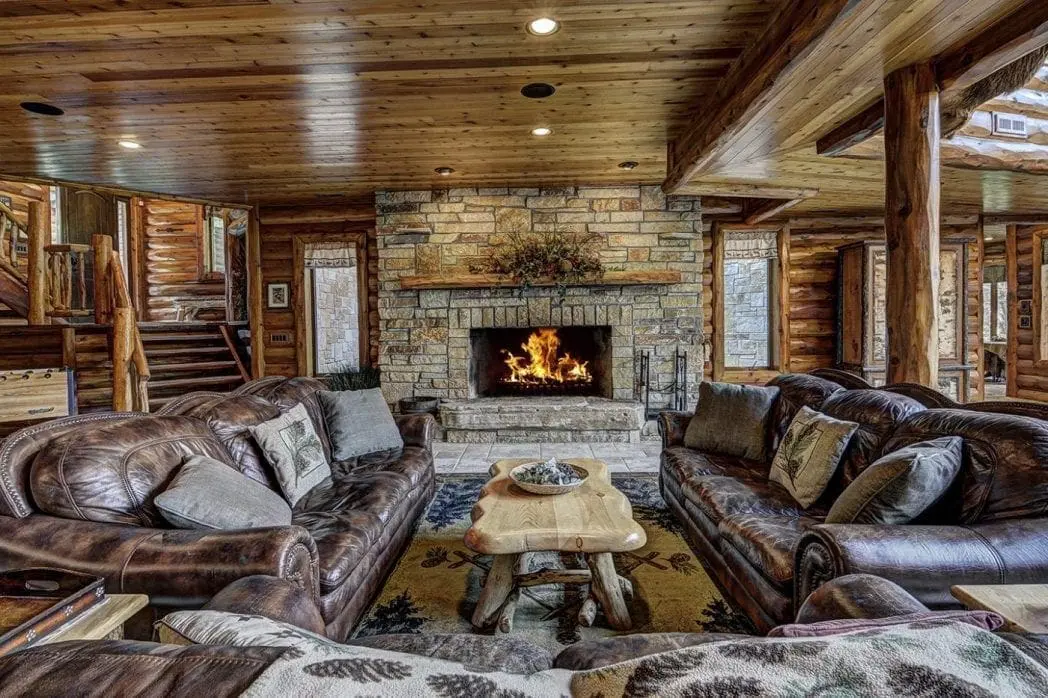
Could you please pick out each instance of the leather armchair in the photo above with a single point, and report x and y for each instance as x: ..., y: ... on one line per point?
x: 926, y: 560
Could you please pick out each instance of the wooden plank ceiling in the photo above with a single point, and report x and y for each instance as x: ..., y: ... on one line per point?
x: 286, y: 101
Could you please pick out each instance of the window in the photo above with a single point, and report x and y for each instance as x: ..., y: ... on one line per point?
x: 995, y: 304
x: 214, y: 244
x: 749, y: 339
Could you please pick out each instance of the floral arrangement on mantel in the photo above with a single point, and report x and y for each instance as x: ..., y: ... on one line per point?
x: 532, y: 258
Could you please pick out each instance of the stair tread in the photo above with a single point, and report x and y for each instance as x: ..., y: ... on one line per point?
x: 195, y: 381
x: 150, y: 352
x: 181, y: 337
x: 156, y: 367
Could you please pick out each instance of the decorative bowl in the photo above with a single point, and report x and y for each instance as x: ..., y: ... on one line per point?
x: 537, y: 488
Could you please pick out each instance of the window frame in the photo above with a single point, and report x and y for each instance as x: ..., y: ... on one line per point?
x: 1038, y: 237
x: 206, y: 271
x: 778, y: 315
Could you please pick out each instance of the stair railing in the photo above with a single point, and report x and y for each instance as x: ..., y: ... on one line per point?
x: 113, y: 306
x: 67, y: 280
x: 11, y: 233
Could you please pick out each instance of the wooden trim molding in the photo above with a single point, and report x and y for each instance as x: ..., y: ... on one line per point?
x: 610, y: 278
x: 1037, y: 239
x: 254, y: 296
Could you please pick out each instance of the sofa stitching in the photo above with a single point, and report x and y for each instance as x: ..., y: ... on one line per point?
x: 131, y: 554
x: 65, y: 484
x: 998, y: 560
x: 10, y: 443
x: 126, y: 480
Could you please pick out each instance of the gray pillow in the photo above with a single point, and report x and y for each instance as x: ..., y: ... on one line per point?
x: 901, y: 485
x: 732, y: 420
x: 359, y: 422
x: 208, y: 494
x: 293, y: 449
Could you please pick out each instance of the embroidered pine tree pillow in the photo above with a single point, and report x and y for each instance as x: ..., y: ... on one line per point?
x: 809, y: 454
x: 293, y: 449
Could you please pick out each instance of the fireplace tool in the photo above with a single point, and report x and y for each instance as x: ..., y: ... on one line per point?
x: 677, y: 389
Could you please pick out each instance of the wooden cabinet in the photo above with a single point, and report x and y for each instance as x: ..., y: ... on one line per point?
x: 36, y: 394
x: 861, y: 330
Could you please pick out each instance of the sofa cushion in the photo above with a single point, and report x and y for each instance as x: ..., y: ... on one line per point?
x: 112, y: 472
x: 797, y: 390
x: 683, y: 464
x: 230, y: 417
x: 900, y: 485
x: 413, y: 462
x: 347, y: 516
x: 286, y: 393
x: 358, y: 423
x: 732, y: 420
x: 1004, y: 473
x: 207, y: 494
x: 294, y: 452
x: 878, y: 413
x: 721, y: 496
x: 810, y: 453
x: 766, y: 542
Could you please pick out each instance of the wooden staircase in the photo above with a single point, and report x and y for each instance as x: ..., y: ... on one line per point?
x: 184, y: 357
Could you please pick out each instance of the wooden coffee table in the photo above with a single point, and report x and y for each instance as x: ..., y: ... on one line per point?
x: 1024, y: 607
x: 595, y: 520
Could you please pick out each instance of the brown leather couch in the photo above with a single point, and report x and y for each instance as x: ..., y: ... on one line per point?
x: 125, y: 668
x: 769, y: 554
x: 76, y: 493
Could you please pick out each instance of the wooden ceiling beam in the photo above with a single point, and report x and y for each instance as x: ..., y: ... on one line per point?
x: 759, y: 211
x: 1007, y: 41
x: 786, y: 40
x: 743, y: 190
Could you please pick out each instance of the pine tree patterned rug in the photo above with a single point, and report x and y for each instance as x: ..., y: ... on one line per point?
x: 435, y: 586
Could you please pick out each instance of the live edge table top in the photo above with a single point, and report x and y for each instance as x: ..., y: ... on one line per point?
x: 594, y: 518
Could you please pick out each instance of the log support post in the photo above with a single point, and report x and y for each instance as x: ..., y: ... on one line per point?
x: 911, y: 144
x: 123, y: 349
x: 103, y: 247
x: 39, y: 230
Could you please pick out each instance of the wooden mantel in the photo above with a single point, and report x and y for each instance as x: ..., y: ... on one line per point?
x: 609, y: 278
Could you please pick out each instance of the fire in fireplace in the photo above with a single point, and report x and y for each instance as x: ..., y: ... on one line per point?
x: 541, y: 361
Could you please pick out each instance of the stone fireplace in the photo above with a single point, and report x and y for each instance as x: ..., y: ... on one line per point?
x: 441, y: 331
x: 540, y: 362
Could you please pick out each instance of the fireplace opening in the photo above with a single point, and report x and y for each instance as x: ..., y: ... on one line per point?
x: 541, y: 361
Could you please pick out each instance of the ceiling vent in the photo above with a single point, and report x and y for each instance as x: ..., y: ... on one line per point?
x: 1009, y: 125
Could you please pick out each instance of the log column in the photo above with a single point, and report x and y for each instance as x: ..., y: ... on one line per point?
x: 39, y: 230
x: 911, y: 217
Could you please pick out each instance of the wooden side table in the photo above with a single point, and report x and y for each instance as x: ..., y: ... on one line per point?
x: 102, y: 622
x: 595, y: 520
x: 1024, y: 607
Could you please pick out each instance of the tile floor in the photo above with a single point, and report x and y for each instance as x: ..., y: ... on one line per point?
x: 477, y: 458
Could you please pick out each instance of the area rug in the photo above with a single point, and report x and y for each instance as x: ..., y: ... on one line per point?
x: 435, y: 586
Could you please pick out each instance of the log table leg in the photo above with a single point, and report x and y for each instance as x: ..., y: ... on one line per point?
x: 608, y: 591
x: 496, y: 589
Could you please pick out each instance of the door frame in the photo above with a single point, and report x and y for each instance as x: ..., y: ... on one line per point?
x: 303, y: 350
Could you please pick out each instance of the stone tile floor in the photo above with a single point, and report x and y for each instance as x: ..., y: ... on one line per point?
x: 477, y: 458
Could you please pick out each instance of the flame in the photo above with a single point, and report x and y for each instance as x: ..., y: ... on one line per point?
x: 542, y: 365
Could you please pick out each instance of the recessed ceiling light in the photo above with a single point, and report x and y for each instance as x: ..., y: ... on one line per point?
x: 628, y: 165
x: 543, y: 26
x: 444, y: 171
x: 42, y: 108
x: 130, y: 145
x: 541, y: 131
x: 538, y: 90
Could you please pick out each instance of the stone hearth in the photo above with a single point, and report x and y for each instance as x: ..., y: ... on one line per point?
x: 542, y: 420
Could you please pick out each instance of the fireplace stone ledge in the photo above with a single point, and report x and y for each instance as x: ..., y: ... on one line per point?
x: 550, y: 419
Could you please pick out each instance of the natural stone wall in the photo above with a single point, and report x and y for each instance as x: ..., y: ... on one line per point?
x: 746, y: 302
x: 424, y: 335
x: 337, y: 319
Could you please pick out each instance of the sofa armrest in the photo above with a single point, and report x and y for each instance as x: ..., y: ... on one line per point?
x: 174, y: 567
x: 272, y: 597
x: 417, y: 429
x: 857, y: 596
x: 672, y: 426
x: 924, y: 560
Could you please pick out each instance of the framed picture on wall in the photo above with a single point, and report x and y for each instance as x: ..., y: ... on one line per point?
x: 278, y: 296
x: 1025, y: 322
x: 1026, y: 307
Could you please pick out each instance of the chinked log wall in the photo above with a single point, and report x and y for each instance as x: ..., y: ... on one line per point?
x: 277, y: 232
x: 813, y: 291
x: 1027, y: 376
x: 173, y: 239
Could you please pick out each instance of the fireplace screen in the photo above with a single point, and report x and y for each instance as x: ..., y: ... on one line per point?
x: 541, y: 361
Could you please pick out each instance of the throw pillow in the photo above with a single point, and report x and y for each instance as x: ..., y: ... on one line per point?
x: 359, y: 422
x: 732, y: 420
x: 901, y: 485
x: 294, y: 451
x: 809, y: 454
x: 208, y: 494
x: 987, y: 620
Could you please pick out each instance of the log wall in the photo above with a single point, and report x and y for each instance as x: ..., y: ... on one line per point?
x: 813, y: 291
x: 279, y: 327
x: 172, y: 235
x: 1027, y: 377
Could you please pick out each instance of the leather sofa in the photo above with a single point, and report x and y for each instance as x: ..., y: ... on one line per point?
x: 769, y: 554
x: 76, y: 493
x: 123, y: 668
